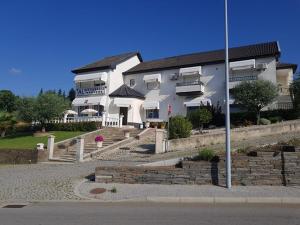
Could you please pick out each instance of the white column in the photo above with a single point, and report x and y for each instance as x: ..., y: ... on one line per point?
x: 160, y: 141
x: 103, y: 119
x: 80, y: 148
x: 65, y: 118
x: 50, y: 146
x: 121, y: 121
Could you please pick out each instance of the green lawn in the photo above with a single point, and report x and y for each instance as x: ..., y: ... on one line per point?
x: 27, y: 141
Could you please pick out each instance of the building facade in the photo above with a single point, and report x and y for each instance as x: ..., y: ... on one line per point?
x: 150, y: 91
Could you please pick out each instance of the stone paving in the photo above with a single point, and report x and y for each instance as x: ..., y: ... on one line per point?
x: 142, y: 191
x: 143, y: 150
x: 44, y: 181
x: 57, y: 181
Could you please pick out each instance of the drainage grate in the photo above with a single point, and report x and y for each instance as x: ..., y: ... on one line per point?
x: 14, y: 206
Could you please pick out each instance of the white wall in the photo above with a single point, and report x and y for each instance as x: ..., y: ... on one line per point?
x: 213, y: 77
x: 115, y: 80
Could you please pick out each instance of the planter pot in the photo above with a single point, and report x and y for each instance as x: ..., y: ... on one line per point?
x: 99, y: 144
x: 147, y: 124
x: 126, y: 134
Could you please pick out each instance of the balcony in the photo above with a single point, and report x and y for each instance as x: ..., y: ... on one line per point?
x: 189, y: 88
x: 91, y: 91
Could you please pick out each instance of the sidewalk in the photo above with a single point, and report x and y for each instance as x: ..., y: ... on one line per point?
x: 190, y: 193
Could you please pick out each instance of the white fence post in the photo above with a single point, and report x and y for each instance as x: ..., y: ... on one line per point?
x: 80, y: 148
x: 50, y: 146
x: 121, y: 121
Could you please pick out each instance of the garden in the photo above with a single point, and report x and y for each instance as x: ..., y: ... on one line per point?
x: 18, y: 113
x: 251, y: 98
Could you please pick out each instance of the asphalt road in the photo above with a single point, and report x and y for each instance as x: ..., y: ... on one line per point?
x: 149, y: 214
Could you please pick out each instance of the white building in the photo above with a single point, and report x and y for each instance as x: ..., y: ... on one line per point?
x: 145, y: 91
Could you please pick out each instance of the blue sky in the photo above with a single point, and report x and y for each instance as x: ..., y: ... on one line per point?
x: 42, y: 40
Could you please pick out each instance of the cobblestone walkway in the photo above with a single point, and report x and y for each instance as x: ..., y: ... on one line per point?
x: 44, y: 181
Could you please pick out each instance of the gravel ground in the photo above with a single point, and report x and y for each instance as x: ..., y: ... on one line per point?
x: 141, y: 191
x: 44, y: 181
x: 143, y: 150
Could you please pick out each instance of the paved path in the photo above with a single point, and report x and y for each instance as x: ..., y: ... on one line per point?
x: 158, y: 192
x: 44, y: 181
x: 149, y: 214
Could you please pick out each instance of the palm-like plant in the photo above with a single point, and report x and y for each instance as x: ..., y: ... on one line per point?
x: 7, y: 120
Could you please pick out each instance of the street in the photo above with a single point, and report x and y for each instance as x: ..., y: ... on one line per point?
x: 149, y: 213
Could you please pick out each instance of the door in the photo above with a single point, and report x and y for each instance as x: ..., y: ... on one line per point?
x: 124, y: 112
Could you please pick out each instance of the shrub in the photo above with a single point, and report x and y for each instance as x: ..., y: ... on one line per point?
x: 180, y: 127
x: 199, y: 117
x: 206, y: 154
x: 275, y: 119
x: 264, y: 121
x: 82, y: 126
x: 113, y: 190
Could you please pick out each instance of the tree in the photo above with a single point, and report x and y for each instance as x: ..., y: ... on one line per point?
x: 48, y: 106
x: 72, y: 94
x: 26, y: 109
x: 199, y: 117
x: 255, y: 95
x: 7, y: 120
x: 41, y: 91
x: 59, y: 92
x: 295, y: 94
x: 7, y: 101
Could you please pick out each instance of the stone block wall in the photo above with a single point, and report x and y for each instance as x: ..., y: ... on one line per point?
x: 18, y: 156
x: 218, y: 136
x: 267, y: 168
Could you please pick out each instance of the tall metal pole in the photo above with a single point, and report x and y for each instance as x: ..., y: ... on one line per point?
x: 228, y: 151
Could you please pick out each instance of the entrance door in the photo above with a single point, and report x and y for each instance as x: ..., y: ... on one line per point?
x: 124, y: 112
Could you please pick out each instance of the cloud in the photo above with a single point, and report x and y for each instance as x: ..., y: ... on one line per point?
x: 14, y: 71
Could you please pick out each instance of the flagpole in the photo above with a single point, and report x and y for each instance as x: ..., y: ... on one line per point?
x: 228, y: 151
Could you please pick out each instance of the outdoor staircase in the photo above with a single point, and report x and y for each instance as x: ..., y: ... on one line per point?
x: 111, y: 136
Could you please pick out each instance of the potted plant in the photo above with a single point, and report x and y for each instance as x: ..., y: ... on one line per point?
x: 162, y: 125
x: 99, y: 141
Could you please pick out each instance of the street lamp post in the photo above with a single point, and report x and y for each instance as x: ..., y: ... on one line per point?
x: 228, y: 151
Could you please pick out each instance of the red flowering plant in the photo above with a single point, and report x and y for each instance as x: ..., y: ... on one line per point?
x: 99, y: 138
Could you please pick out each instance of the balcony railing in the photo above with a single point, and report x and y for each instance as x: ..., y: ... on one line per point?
x: 188, y: 88
x: 189, y: 83
x: 242, y: 78
x: 90, y: 91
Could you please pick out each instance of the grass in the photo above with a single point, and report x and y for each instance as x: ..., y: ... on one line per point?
x: 27, y: 141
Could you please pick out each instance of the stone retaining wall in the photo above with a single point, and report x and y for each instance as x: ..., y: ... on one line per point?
x: 218, y: 136
x: 267, y: 168
x: 18, y: 156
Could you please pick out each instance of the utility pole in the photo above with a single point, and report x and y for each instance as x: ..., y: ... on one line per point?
x: 228, y: 148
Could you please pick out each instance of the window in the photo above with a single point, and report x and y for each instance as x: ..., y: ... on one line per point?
x: 153, y: 85
x: 132, y: 82
x: 152, y: 113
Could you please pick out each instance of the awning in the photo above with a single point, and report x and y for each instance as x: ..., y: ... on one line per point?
x: 152, y: 78
x: 151, y: 104
x: 123, y: 102
x: 197, y: 102
x: 242, y: 65
x: 190, y: 71
x: 91, y: 76
x: 96, y: 100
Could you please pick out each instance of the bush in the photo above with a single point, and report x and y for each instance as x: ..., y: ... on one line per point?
x: 206, y: 154
x: 82, y: 126
x: 199, y: 117
x: 264, y: 121
x: 275, y: 119
x: 180, y: 127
